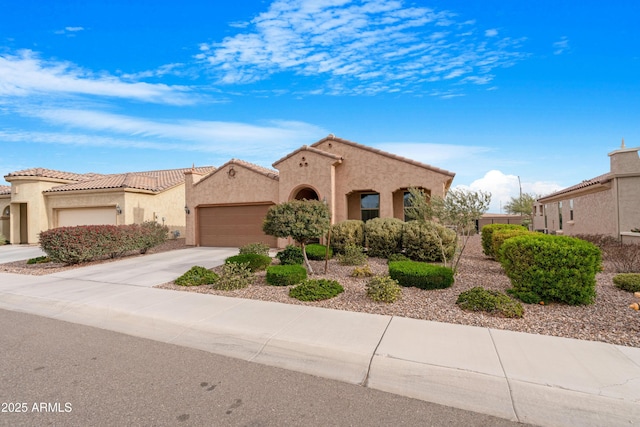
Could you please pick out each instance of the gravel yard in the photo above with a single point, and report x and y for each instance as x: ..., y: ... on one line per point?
x: 609, y: 320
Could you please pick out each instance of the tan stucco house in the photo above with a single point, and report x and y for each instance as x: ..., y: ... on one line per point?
x: 608, y: 204
x: 226, y: 207
x: 40, y: 199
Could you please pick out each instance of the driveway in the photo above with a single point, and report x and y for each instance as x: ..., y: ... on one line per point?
x: 10, y: 253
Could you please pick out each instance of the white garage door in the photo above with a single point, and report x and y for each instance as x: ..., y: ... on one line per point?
x: 86, y: 216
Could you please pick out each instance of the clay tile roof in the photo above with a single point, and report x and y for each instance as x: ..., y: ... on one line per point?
x: 384, y: 153
x: 5, y: 189
x: 152, y: 181
x: 311, y: 149
x: 256, y: 168
x: 600, y: 179
x: 54, y: 174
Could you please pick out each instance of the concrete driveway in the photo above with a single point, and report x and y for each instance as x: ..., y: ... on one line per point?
x: 10, y: 253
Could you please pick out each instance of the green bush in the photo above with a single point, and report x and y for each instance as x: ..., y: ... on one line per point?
x: 150, y: 234
x: 425, y: 241
x: 316, y: 290
x: 254, y: 261
x: 421, y: 275
x: 397, y: 257
x: 255, y: 248
x: 364, y: 271
x: 234, y: 276
x: 489, y: 301
x: 285, y: 275
x: 39, y: 260
x: 3, y: 240
x: 197, y: 276
x: 352, y: 255
x: 627, y: 281
x: 317, y: 252
x: 499, y: 236
x: 344, y: 233
x: 291, y: 255
x: 383, y: 289
x: 383, y: 236
x: 551, y: 268
x: 487, y: 236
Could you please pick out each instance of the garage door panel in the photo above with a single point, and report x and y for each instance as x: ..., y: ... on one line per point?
x: 86, y: 216
x: 233, y: 225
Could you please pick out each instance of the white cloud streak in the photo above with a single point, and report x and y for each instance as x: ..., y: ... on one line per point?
x: 561, y: 46
x: 359, y: 47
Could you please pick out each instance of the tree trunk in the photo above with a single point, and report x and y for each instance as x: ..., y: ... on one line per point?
x: 306, y: 260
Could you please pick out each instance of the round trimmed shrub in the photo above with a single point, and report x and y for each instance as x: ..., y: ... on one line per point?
x: 317, y: 252
x: 285, y: 275
x: 425, y: 241
x: 489, y: 301
x: 255, y: 262
x: 316, y: 290
x: 421, y: 275
x: 349, y: 232
x: 499, y: 236
x: 234, y: 276
x: 291, y: 255
x: 352, y: 255
x: 197, y: 276
x: 627, y: 281
x: 383, y: 236
x: 545, y: 267
x: 255, y: 248
x: 487, y: 236
x: 383, y: 289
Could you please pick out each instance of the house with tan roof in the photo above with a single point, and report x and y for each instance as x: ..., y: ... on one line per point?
x: 226, y: 207
x: 39, y: 199
x: 608, y: 204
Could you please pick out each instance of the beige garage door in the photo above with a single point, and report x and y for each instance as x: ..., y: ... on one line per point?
x: 86, y: 216
x: 233, y: 226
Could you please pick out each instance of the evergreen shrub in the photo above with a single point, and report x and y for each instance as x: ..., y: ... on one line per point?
x: 425, y: 241
x: 489, y: 301
x: 421, y: 275
x: 383, y: 289
x: 291, y: 255
x: 197, y: 276
x: 499, y: 236
x: 255, y: 248
x: 627, y: 281
x: 234, y: 276
x: 316, y: 290
x: 344, y: 233
x: 285, y: 275
x: 383, y: 236
x: 487, y: 236
x: 317, y: 252
x: 255, y: 262
x: 352, y: 255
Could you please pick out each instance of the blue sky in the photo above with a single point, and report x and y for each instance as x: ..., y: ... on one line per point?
x: 491, y: 90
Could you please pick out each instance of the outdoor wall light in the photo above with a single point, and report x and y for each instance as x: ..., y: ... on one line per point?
x: 118, y: 210
x: 186, y: 210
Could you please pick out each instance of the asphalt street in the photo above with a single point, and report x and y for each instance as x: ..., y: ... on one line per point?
x: 64, y: 374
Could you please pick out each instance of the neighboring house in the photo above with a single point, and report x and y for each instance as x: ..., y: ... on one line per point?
x: 493, y: 218
x: 227, y: 206
x: 608, y: 204
x: 41, y: 199
x: 5, y: 201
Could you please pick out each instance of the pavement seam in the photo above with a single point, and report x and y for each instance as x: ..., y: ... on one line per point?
x: 365, y: 381
x: 276, y: 333
x: 506, y: 377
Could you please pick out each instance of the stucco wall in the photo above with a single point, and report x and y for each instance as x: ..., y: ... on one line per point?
x: 165, y: 208
x: 30, y: 192
x: 592, y: 214
x: 5, y: 228
x: 629, y: 202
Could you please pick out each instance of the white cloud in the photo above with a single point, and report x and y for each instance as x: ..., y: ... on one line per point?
x: 74, y: 29
x: 25, y: 74
x: 561, y: 46
x: 359, y: 47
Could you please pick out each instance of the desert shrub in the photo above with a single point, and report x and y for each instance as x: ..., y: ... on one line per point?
x: 489, y: 301
x: 426, y: 241
x: 150, y: 234
x: 255, y: 262
x: 316, y: 290
x: 255, y: 248
x: 39, y: 260
x: 234, y: 276
x: 421, y: 275
x: 623, y: 258
x: 285, y: 275
x: 352, y: 255
x: 551, y: 268
x: 499, y: 236
x: 197, y: 276
x: 627, y: 281
x: 364, y: 271
x: 383, y: 236
x: 487, y: 236
x: 383, y: 289
x: 317, y: 252
x: 397, y: 257
x: 291, y: 255
x: 344, y: 233
x: 3, y: 240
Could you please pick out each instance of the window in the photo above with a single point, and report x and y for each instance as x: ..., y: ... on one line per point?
x: 560, y: 215
x: 369, y: 206
x: 571, y: 210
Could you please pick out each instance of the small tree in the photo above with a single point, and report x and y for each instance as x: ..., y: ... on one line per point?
x: 302, y: 220
x: 522, y: 205
x: 459, y: 210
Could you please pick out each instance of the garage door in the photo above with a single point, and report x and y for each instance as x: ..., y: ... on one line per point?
x: 86, y: 216
x: 233, y: 226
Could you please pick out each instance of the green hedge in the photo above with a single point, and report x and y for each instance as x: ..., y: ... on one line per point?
x: 421, y: 275
x: 255, y: 262
x: 551, y: 268
x: 317, y: 252
x: 500, y: 235
x: 285, y: 275
x: 291, y: 255
x: 627, y: 281
x: 489, y: 301
x: 197, y: 276
x: 383, y: 236
x: 316, y: 290
x: 487, y: 236
x: 344, y: 233
x: 73, y: 245
x: 424, y: 241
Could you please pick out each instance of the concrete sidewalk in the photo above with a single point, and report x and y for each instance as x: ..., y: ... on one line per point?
x: 523, y: 377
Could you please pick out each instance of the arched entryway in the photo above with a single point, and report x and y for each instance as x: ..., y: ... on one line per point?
x: 305, y: 193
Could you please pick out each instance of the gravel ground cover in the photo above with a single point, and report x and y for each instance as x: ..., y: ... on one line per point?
x: 608, y: 320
